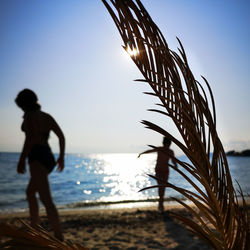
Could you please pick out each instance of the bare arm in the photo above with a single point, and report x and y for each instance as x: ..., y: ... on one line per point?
x: 57, y: 130
x: 173, y: 160
x: 148, y: 152
x: 25, y: 151
x: 26, y: 148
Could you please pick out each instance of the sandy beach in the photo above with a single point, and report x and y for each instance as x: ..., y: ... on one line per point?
x: 133, y: 228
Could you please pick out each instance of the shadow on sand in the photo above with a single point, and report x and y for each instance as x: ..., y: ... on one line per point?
x: 180, y: 234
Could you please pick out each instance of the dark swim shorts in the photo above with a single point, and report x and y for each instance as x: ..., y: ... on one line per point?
x: 42, y: 154
x: 162, y: 176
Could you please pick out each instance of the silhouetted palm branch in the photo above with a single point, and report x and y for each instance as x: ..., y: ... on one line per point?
x: 184, y: 100
x: 29, y: 238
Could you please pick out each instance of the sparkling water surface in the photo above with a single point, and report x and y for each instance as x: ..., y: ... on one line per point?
x: 91, y: 180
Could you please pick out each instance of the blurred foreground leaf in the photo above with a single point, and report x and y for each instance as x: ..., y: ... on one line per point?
x: 184, y: 100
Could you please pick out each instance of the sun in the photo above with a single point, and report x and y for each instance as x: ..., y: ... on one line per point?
x: 132, y: 52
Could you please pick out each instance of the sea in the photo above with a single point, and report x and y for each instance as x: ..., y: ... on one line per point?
x: 99, y: 181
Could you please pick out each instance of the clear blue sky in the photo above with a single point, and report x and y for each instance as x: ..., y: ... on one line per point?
x: 70, y: 54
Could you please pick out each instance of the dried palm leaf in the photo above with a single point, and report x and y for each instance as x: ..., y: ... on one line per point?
x: 30, y: 238
x: 184, y: 100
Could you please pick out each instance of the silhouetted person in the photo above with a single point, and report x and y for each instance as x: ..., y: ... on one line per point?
x: 164, y: 154
x: 37, y: 126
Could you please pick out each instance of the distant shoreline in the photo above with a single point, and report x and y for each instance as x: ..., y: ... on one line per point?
x: 244, y: 153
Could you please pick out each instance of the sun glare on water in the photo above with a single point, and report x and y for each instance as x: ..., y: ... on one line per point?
x: 123, y: 175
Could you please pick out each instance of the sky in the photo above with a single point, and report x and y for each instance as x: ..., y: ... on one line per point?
x: 70, y: 53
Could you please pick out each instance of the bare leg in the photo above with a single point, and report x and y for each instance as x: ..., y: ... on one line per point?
x: 161, y: 192
x: 33, y: 203
x: 162, y: 180
x: 45, y: 196
x: 41, y: 174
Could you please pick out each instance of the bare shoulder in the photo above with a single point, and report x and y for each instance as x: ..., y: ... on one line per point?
x: 47, y: 120
x: 168, y: 151
x: 47, y: 116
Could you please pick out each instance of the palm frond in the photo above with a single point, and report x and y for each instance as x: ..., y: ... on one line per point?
x: 185, y: 101
x: 32, y: 239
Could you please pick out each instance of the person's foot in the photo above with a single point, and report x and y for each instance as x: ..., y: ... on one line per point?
x: 161, y: 208
x: 59, y: 236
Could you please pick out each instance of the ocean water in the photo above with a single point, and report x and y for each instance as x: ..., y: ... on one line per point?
x: 101, y: 180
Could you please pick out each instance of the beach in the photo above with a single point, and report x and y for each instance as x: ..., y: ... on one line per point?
x: 134, y: 228
x: 99, y: 203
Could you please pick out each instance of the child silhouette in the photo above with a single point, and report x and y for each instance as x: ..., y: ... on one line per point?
x: 164, y: 154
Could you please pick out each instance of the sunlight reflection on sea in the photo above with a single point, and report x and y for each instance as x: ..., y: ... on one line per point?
x: 113, y: 177
x: 91, y: 180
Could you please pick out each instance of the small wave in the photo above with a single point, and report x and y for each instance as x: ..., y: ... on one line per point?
x: 13, y: 210
x: 92, y: 204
